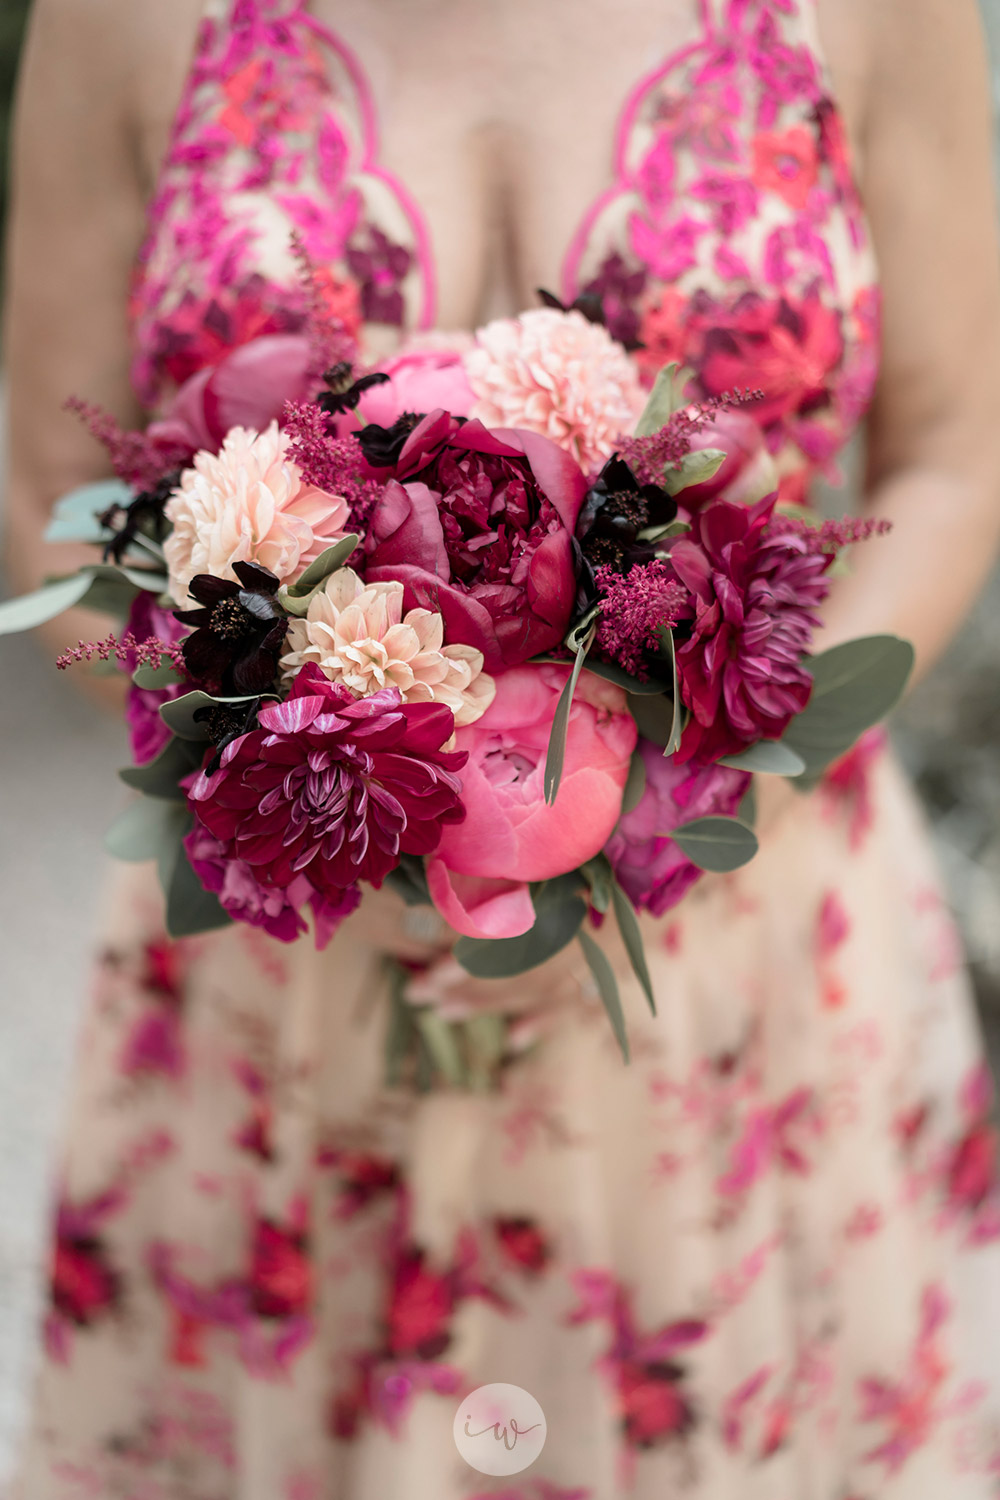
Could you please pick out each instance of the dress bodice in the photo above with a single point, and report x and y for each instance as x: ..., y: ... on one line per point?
x: 729, y: 235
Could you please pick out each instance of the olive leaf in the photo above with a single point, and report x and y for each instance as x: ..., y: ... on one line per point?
x: 579, y: 640
x: 319, y: 571
x: 607, y: 987
x: 559, y: 912
x: 628, y: 926
x: 635, y: 783
x: 190, y: 908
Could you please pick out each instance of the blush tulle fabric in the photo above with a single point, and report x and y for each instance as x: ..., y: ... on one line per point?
x: 763, y: 1261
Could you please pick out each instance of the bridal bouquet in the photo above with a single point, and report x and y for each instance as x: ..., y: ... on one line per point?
x: 490, y: 624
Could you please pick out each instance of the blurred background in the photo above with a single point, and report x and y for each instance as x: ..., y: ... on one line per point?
x: 58, y: 793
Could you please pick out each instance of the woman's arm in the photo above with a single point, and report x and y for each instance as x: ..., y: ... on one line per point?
x: 934, y: 440
x: 77, y: 217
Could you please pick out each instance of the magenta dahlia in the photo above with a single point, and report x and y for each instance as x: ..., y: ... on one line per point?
x: 756, y: 592
x: 332, y: 787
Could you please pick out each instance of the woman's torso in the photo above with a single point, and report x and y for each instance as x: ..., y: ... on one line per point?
x: 683, y: 159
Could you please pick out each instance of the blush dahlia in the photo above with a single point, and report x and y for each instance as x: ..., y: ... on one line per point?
x: 333, y: 787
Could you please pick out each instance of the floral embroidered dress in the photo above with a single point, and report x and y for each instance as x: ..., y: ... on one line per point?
x: 761, y: 1261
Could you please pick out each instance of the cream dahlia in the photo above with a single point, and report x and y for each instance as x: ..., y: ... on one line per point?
x: 555, y: 373
x: 248, y: 504
x: 357, y: 635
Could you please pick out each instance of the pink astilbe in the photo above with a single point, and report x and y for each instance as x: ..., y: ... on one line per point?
x: 127, y: 650
x: 830, y: 536
x: 333, y: 311
x: 334, y: 464
x: 633, y: 611
x: 648, y: 457
x: 137, y: 458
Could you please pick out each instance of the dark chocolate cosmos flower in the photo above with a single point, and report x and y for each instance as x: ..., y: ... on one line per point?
x: 240, y: 628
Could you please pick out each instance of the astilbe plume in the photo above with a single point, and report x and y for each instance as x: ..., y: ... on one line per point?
x: 331, y: 340
x: 127, y: 649
x: 136, y: 458
x: 634, y: 609
x: 648, y: 457
x: 830, y: 536
x: 333, y: 464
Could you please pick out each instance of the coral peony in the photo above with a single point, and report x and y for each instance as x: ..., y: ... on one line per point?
x: 332, y: 787
x: 756, y: 593
x: 248, y: 387
x: 248, y: 504
x: 648, y: 865
x: 479, y: 876
x: 560, y: 375
x: 277, y: 911
x: 482, y: 531
x: 357, y: 634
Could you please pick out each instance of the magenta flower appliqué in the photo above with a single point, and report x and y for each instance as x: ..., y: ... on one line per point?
x: 333, y: 787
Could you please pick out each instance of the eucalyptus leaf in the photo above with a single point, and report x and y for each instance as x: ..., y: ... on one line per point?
x: 559, y: 912
x: 635, y: 783
x: 665, y: 398
x: 190, y: 908
x: 153, y: 580
x: 556, y: 753
x: 772, y: 757
x: 160, y: 777
x: 854, y: 686
x: 295, y: 606
x: 29, y: 610
x: 628, y: 926
x: 74, y: 515
x: 695, y: 467
x: 716, y: 844
x: 178, y: 713
x: 607, y: 987
x: 747, y: 810
x: 328, y: 562
x: 145, y: 826
x: 163, y: 676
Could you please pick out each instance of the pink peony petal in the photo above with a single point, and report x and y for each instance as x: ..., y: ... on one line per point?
x: 480, y: 908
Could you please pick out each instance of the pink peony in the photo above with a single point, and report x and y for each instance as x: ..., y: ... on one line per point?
x: 247, y: 388
x: 332, y: 787
x: 248, y: 504
x: 482, y: 531
x: 748, y: 473
x: 277, y: 911
x: 420, y: 380
x: 557, y: 374
x: 479, y: 876
x: 651, y: 869
x: 755, y: 600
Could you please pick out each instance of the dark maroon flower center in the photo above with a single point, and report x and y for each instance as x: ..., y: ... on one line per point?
x: 493, y: 515
x: 230, y: 620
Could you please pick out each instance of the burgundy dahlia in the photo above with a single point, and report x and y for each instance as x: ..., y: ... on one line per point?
x: 756, y: 593
x: 481, y: 528
x: 332, y: 787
